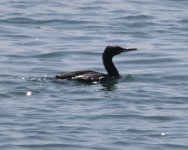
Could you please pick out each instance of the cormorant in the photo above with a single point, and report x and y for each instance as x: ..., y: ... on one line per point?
x: 92, y: 76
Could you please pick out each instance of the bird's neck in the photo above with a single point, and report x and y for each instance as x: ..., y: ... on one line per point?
x: 110, y: 67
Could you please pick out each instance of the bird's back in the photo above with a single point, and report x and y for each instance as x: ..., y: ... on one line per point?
x: 88, y: 76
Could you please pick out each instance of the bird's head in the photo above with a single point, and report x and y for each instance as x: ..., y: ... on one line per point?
x: 115, y: 50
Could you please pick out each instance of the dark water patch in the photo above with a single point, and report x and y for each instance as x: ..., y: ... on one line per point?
x: 176, y: 78
x: 16, y: 57
x: 8, y: 146
x: 139, y: 131
x: 139, y: 117
x: 64, y: 53
x: 148, y: 78
x: 179, y: 1
x: 55, y: 145
x: 178, y: 100
x: 183, y: 20
x: 142, y: 25
x: 12, y: 76
x: 132, y: 33
x: 137, y: 25
x: 5, y: 95
x: 92, y: 9
x: 19, y: 36
x: 161, y: 118
x: 175, y: 146
x: 51, y: 55
x: 137, y: 17
x: 155, y: 61
x: 31, y: 21
x: 181, y: 29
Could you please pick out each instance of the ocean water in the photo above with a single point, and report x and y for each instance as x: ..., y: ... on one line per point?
x: 147, y: 109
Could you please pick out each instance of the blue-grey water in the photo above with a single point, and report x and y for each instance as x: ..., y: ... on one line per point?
x: 147, y: 109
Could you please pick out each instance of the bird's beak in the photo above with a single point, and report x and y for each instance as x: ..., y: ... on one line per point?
x: 129, y: 49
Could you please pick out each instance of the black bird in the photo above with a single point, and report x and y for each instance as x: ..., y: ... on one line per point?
x: 92, y: 76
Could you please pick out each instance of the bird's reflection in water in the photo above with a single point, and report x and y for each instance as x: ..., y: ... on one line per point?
x: 109, y: 86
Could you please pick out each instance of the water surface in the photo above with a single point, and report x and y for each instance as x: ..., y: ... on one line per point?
x: 145, y: 109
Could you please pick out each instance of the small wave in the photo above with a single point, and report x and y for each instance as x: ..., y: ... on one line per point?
x: 138, y: 17
x: 47, y: 146
x: 14, y: 56
x: 151, y: 61
x: 127, y: 78
x: 49, y: 55
x: 24, y: 20
x: 183, y: 21
x: 176, y: 77
x: 63, y: 54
